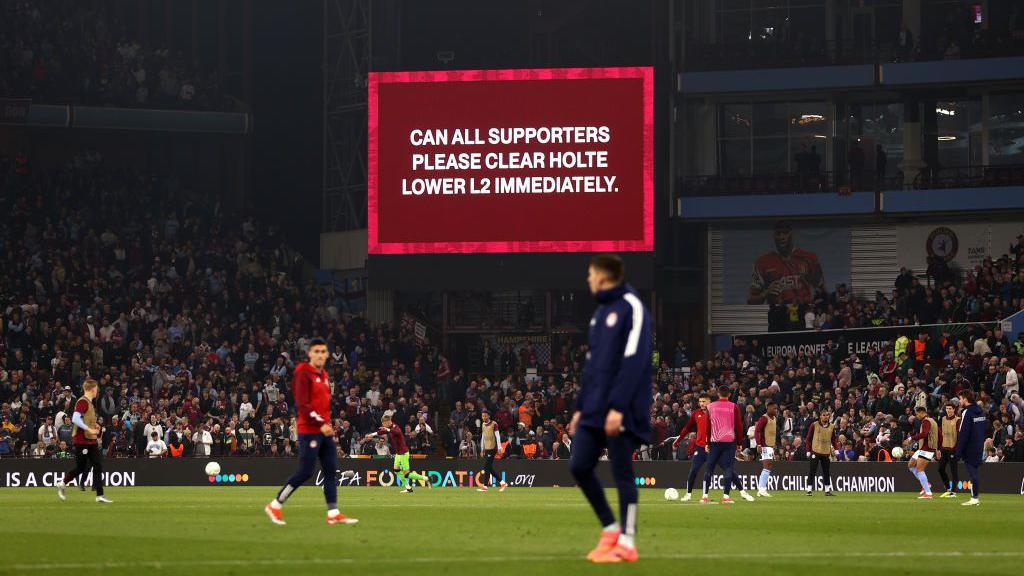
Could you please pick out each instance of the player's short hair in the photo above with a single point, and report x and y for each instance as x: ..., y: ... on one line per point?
x: 949, y: 405
x: 770, y: 403
x: 920, y: 409
x: 723, y: 391
x: 967, y: 395
x: 386, y: 416
x: 610, y: 264
x: 317, y: 342
x: 90, y: 384
x: 704, y: 395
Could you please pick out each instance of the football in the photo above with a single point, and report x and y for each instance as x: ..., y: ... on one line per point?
x: 212, y: 469
x: 897, y: 452
x: 671, y: 494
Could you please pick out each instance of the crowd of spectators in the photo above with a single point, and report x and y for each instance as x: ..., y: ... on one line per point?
x: 59, y: 52
x: 992, y: 290
x: 189, y: 316
x: 192, y: 318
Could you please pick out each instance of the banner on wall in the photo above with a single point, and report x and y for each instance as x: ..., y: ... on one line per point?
x: 852, y: 341
x: 1004, y: 478
x: 786, y: 262
x: 541, y: 344
x: 961, y: 245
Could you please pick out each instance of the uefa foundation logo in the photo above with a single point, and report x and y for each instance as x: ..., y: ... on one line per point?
x: 228, y: 479
x: 645, y: 480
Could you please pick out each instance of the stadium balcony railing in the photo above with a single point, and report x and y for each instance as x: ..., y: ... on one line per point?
x: 781, y: 183
x: 969, y: 177
x: 791, y: 183
x: 779, y: 53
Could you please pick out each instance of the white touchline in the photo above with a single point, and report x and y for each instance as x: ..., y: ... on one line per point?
x: 495, y: 559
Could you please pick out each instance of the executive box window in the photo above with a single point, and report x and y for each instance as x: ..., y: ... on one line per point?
x: 1006, y: 128
x: 786, y: 23
x: 879, y: 124
x: 957, y: 133
x: 765, y: 138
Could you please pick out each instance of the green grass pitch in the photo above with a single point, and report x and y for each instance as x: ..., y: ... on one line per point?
x: 521, y: 531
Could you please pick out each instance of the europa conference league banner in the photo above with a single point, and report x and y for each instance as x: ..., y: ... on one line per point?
x: 858, y: 340
x: 1006, y: 478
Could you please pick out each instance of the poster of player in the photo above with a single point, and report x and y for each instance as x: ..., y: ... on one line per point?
x: 784, y: 262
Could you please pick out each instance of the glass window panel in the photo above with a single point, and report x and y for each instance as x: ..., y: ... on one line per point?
x: 809, y: 119
x: 770, y: 156
x: 735, y: 157
x: 736, y: 5
x: 957, y: 123
x: 735, y: 120
x: 882, y: 125
x: 801, y: 146
x: 768, y: 25
x: 1006, y: 129
x: 770, y: 119
x: 807, y: 27
x: 734, y: 26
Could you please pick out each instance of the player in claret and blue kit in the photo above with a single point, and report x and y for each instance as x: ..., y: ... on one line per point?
x: 316, y: 435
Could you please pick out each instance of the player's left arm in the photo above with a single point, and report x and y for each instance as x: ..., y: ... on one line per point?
x: 634, y: 337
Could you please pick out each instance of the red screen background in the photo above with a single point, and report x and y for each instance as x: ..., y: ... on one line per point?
x: 620, y: 98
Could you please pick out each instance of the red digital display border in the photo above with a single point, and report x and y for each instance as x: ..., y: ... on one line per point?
x: 645, y: 73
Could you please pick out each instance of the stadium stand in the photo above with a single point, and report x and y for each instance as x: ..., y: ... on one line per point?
x: 192, y: 318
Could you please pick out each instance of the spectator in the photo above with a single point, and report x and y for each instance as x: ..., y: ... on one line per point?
x: 156, y: 447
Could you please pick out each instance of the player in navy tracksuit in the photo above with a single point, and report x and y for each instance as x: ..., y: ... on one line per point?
x: 970, y: 443
x: 614, y: 403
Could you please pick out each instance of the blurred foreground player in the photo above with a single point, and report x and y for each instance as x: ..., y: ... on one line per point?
x: 613, y: 406
x: 316, y: 436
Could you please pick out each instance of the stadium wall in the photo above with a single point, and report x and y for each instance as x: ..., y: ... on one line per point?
x: 1003, y: 478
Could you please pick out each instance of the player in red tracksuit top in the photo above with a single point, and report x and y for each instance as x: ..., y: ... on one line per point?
x: 697, y: 450
x: 312, y: 391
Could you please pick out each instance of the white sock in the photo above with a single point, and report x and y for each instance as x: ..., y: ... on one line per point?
x: 275, y: 504
x: 333, y: 512
x: 704, y: 490
x: 923, y: 478
x: 626, y: 541
x: 613, y: 527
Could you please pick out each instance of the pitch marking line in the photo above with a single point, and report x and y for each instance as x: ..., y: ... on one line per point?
x: 157, y: 564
